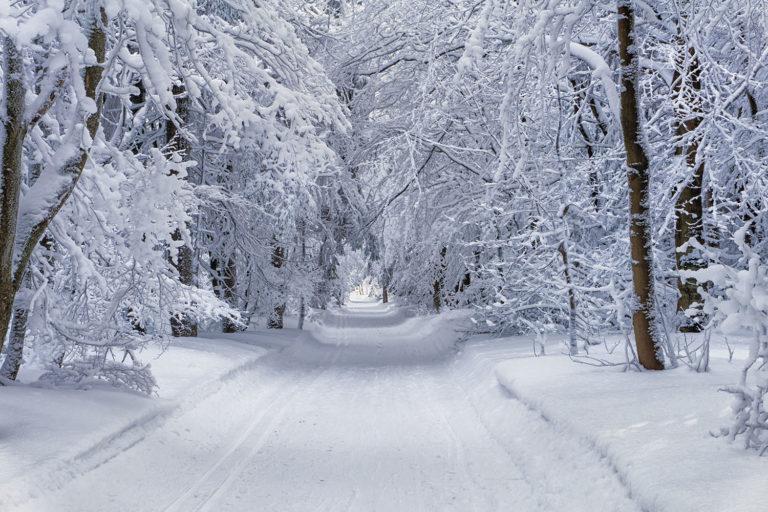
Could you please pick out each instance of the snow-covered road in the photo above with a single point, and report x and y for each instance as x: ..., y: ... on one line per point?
x: 369, y: 413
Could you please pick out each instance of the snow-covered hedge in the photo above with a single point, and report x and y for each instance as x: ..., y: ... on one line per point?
x: 736, y: 298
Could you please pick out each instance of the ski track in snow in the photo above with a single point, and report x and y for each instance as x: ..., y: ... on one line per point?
x: 373, y: 413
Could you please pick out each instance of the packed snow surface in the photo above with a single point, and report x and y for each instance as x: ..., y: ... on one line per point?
x: 371, y: 410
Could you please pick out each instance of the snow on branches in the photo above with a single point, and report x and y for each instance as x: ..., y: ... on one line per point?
x: 735, y: 297
x: 128, y: 124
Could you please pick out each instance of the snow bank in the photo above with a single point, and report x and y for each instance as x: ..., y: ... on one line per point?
x: 652, y: 428
x: 564, y: 471
x: 48, y: 436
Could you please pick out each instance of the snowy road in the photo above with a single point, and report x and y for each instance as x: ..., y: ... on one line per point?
x: 368, y: 414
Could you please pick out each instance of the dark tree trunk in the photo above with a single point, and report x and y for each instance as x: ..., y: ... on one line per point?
x: 302, y: 312
x: 182, y: 325
x: 14, y: 352
x: 224, y: 282
x: 302, y: 300
x: 643, y: 318
x: 572, y: 343
x: 437, y: 285
x: 275, y: 320
x: 386, y: 279
x: 594, y: 179
x: 689, y: 209
x: 437, y: 294
x: 15, y: 129
x: 230, y: 294
x: 749, y: 210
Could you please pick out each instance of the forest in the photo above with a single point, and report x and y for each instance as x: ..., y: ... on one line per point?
x: 563, y: 199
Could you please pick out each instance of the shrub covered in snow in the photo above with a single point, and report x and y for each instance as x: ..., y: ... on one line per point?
x: 82, y: 374
x: 737, y: 300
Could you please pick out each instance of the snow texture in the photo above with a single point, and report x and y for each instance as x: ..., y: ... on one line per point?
x: 375, y: 409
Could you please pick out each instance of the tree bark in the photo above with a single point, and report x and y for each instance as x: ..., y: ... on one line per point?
x: 182, y: 325
x: 437, y: 294
x: 14, y: 352
x: 689, y: 209
x: 13, y: 248
x: 302, y: 312
x: 640, y: 239
x: 589, y: 144
x: 437, y: 285
x: 386, y: 278
x: 749, y: 210
x: 572, y: 343
x: 302, y: 300
x: 14, y: 131
x: 275, y: 320
x: 230, y: 294
x: 224, y: 283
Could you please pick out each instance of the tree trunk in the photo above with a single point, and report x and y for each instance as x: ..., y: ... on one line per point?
x: 302, y: 300
x: 643, y: 318
x: 302, y: 312
x: 749, y: 209
x: 386, y: 279
x: 572, y: 343
x: 14, y: 352
x: 589, y: 144
x: 437, y: 294
x: 224, y: 283
x: 437, y: 285
x: 14, y: 132
x: 230, y: 294
x: 689, y: 209
x: 181, y: 325
x: 275, y: 320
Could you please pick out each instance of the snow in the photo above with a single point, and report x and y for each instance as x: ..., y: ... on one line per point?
x: 47, y: 436
x: 601, y: 70
x: 652, y: 427
x: 376, y: 408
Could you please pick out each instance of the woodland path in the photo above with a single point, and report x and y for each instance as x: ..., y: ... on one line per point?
x: 364, y: 414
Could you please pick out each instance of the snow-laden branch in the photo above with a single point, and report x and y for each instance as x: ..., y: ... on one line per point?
x: 600, y: 70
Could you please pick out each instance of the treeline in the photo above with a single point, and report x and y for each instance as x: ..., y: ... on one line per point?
x: 558, y: 166
x: 165, y: 166
x: 570, y: 166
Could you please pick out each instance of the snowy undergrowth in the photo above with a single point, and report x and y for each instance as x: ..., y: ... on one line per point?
x: 653, y: 428
x: 53, y: 435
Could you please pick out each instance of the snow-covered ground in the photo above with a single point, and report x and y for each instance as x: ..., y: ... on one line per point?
x: 654, y: 428
x: 375, y: 409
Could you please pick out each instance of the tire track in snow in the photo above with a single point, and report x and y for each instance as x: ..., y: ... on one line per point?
x: 458, y: 448
x: 231, y: 463
x: 586, y: 442
x: 355, y: 429
x: 57, y: 474
x: 565, y: 471
x: 227, y: 468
